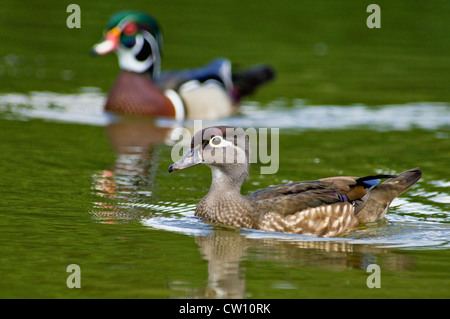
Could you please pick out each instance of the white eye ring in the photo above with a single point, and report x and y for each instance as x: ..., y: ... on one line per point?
x: 216, y: 141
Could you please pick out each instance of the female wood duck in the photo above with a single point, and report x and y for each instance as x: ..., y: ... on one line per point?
x: 324, y: 207
x: 208, y: 92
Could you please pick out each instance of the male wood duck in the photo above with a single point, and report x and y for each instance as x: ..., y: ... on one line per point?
x: 324, y: 207
x: 209, y: 92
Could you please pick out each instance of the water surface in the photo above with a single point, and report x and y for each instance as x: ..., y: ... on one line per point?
x: 93, y: 189
x: 79, y: 186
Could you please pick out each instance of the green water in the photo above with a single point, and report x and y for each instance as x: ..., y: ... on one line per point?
x: 54, y: 214
x: 96, y: 196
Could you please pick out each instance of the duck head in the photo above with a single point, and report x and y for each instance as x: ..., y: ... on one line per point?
x: 224, y: 149
x: 136, y: 39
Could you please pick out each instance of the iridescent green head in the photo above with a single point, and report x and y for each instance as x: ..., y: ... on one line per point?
x: 137, y: 40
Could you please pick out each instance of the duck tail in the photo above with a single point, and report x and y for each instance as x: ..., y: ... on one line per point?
x: 381, y: 196
x: 245, y: 82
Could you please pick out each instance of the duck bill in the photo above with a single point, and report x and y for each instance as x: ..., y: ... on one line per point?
x: 191, y: 158
x: 108, y: 44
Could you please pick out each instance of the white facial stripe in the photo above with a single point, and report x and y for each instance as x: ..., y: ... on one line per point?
x: 223, y: 143
x: 127, y: 56
x: 156, y: 57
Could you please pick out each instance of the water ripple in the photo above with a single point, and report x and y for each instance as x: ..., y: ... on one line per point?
x: 409, y: 225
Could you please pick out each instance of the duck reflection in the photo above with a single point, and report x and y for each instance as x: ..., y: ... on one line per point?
x: 228, y: 251
x: 136, y: 143
x: 224, y: 250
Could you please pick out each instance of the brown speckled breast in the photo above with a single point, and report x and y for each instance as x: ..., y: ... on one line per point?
x: 228, y: 210
x: 135, y: 94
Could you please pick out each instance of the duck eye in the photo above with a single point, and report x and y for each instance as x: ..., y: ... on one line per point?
x: 130, y: 29
x: 216, y: 141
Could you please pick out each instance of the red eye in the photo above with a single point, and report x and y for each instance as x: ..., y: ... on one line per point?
x: 130, y: 29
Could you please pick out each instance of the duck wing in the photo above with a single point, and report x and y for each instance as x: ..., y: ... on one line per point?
x: 291, y: 198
